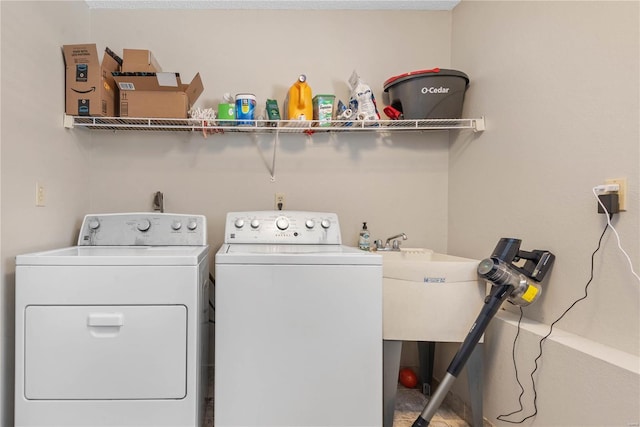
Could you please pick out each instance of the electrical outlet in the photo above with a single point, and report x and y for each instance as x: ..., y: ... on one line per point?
x: 280, y: 201
x: 622, y: 192
x: 39, y: 195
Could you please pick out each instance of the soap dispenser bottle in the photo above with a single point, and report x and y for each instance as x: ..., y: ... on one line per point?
x: 364, y: 240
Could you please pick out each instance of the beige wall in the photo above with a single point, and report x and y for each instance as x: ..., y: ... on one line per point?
x: 35, y: 147
x: 559, y: 85
x: 5, y: 333
x: 562, y: 98
x: 397, y: 184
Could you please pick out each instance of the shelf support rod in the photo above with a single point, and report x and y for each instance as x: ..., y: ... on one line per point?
x: 273, y: 160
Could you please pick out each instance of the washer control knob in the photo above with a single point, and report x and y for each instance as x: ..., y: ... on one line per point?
x: 239, y: 223
x: 192, y: 225
x: 282, y: 223
x: 255, y: 224
x: 325, y: 223
x: 144, y: 225
x: 94, y: 224
x: 176, y: 225
x: 310, y: 224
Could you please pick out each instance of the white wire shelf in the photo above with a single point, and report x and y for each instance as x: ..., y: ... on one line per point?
x: 266, y: 126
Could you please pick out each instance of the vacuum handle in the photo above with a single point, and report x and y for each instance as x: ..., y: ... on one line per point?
x: 491, y: 305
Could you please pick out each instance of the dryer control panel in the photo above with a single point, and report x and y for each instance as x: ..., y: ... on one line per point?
x: 283, y: 227
x: 143, y: 229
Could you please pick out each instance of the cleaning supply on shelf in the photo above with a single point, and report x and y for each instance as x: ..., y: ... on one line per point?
x: 245, y: 108
x: 343, y: 114
x: 392, y: 113
x: 428, y: 94
x: 226, y: 111
x: 323, y: 109
x: 298, y: 104
x: 364, y: 242
x: 362, y: 102
x: 207, y: 117
x: 273, y: 112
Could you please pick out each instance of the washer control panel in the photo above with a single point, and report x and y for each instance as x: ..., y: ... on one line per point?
x: 143, y: 229
x: 282, y: 227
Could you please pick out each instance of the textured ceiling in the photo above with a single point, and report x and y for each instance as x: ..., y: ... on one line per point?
x: 277, y: 4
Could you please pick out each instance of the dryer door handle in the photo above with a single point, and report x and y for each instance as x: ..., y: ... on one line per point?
x: 105, y: 319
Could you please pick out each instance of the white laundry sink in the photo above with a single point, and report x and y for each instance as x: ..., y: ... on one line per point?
x: 425, y: 265
x: 429, y: 296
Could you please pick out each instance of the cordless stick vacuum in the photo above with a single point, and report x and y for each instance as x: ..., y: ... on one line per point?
x: 517, y: 284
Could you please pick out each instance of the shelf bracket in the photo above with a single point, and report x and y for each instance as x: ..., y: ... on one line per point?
x: 68, y: 121
x: 273, y: 160
x: 478, y: 124
x: 271, y: 168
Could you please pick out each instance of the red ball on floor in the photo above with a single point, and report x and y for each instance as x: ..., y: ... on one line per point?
x: 408, y: 378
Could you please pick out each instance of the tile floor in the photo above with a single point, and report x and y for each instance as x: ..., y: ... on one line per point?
x: 409, y: 404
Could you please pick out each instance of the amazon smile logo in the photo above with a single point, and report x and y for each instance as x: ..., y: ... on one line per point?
x: 93, y: 89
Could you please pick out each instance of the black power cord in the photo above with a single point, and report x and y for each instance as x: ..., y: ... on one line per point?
x: 213, y: 284
x: 533, y: 382
x: 515, y: 367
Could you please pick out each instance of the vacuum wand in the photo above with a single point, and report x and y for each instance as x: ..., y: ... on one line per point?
x: 509, y: 283
x: 491, y: 305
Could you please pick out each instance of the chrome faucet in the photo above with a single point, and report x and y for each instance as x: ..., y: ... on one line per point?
x: 404, y: 237
x: 395, y: 245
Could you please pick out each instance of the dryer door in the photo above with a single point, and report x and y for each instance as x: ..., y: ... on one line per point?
x: 105, y: 352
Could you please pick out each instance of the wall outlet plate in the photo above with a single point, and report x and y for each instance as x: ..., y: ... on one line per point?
x: 40, y: 195
x: 280, y: 200
x: 622, y: 192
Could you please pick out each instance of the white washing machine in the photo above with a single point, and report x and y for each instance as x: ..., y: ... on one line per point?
x: 298, y: 331
x: 114, y: 331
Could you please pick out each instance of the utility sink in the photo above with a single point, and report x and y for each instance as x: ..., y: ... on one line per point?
x: 425, y: 265
x: 433, y: 297
x: 429, y: 296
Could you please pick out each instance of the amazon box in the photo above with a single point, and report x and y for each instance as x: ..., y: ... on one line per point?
x: 156, y: 95
x: 139, y: 60
x: 90, y: 88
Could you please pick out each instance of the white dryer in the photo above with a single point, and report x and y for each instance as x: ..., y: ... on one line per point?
x: 114, y: 332
x: 298, y: 332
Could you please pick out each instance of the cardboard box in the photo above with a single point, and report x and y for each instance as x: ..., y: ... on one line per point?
x: 90, y: 88
x: 139, y: 60
x: 156, y: 95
